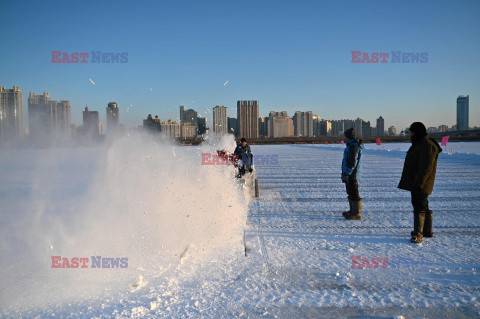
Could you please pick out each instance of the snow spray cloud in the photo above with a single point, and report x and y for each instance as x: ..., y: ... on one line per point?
x: 141, y: 198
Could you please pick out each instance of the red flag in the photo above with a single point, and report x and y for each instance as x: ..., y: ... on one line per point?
x: 342, y: 142
x: 377, y: 140
x: 326, y: 142
x: 445, y: 140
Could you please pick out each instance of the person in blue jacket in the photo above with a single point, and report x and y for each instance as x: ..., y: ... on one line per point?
x: 350, y: 174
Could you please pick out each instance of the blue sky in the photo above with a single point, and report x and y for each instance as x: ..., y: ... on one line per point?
x: 289, y: 55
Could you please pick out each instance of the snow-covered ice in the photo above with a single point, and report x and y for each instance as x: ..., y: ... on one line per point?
x: 181, y: 225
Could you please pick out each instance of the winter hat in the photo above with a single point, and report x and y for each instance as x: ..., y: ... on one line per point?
x: 350, y: 133
x: 418, y: 128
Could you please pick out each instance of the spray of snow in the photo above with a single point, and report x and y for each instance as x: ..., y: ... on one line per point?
x: 141, y: 198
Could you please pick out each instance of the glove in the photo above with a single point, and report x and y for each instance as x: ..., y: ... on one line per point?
x: 344, y: 178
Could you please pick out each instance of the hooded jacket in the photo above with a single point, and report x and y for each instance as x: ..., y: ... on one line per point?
x: 420, y: 166
x: 240, y: 149
x: 351, y: 158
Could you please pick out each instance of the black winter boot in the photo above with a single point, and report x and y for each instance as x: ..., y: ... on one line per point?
x: 356, y: 213
x: 427, y: 228
x: 344, y: 214
x: 418, y: 223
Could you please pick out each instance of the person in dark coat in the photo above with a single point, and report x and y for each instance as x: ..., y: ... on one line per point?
x: 350, y: 174
x: 245, y: 155
x: 418, y: 177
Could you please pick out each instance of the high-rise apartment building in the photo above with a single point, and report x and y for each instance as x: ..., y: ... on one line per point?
x: 247, y: 116
x: 90, y: 123
x: 316, y: 125
x: 11, y: 114
x: 64, y: 120
x: 462, y: 112
x: 48, y: 119
x: 188, y: 131
x: 280, y: 125
x: 220, y: 124
x: 325, y: 128
x: 380, y: 127
x: 188, y: 117
x: 366, y: 129
x: 171, y: 129
x: 113, y: 120
x: 263, y: 126
x: 232, y: 126
x: 358, y: 127
x: 303, y: 123
x: 202, y: 125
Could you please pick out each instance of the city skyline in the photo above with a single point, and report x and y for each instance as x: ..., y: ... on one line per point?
x: 192, y: 124
x: 290, y: 56
x: 263, y: 112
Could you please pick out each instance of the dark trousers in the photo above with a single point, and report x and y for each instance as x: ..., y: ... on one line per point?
x: 352, y: 190
x: 419, y: 201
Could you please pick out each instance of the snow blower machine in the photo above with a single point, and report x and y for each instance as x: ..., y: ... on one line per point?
x: 244, y: 169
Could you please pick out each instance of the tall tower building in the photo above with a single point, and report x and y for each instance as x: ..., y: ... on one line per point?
x: 380, y: 127
x: 220, y: 124
x: 462, y: 113
x: 11, y: 114
x: 113, y: 113
x: 247, y: 117
x: 90, y: 122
